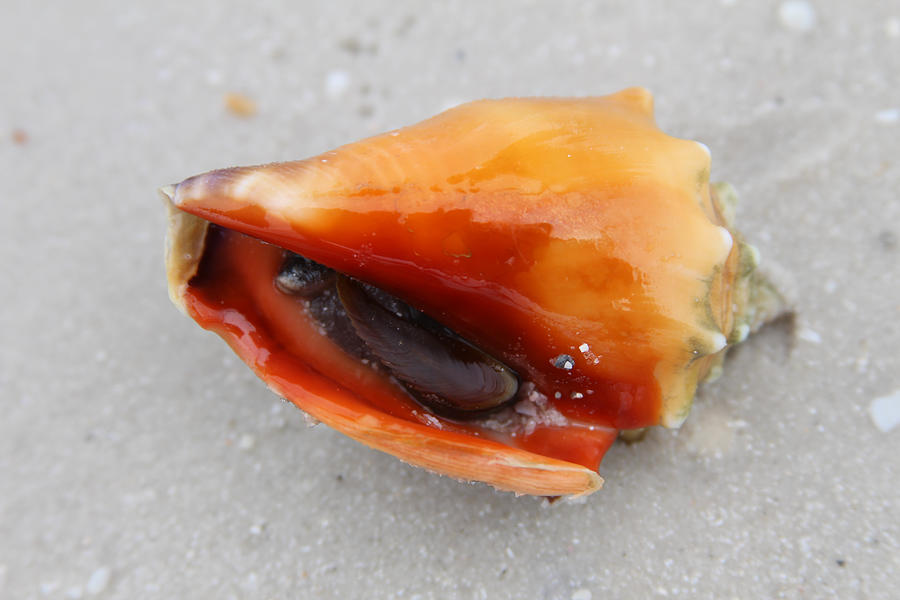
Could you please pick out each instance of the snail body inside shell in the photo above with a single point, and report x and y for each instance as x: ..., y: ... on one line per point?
x: 443, y: 371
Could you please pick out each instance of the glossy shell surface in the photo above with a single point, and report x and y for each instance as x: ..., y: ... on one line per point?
x: 569, y: 238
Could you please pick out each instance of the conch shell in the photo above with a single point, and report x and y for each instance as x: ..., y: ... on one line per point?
x: 578, y: 258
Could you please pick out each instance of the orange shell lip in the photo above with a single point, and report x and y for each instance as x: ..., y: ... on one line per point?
x: 360, y: 405
x: 571, y: 239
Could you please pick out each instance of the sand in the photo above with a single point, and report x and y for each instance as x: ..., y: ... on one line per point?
x: 140, y: 459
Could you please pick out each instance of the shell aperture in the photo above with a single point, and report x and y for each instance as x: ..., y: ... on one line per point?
x: 443, y: 371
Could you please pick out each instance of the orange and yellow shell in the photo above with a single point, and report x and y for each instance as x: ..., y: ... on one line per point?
x: 569, y: 238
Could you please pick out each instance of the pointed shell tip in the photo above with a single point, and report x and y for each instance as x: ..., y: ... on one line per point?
x: 639, y: 97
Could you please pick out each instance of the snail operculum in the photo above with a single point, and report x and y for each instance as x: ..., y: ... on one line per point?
x: 443, y: 371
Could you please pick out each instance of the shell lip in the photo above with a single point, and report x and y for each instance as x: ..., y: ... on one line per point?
x: 185, y: 241
x: 462, y: 457
x: 451, y: 454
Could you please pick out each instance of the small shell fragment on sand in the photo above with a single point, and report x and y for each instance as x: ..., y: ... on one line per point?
x: 888, y: 116
x: 98, y: 581
x: 239, y: 104
x: 797, y: 15
x: 885, y: 411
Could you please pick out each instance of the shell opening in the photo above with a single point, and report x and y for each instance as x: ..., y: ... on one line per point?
x: 444, y: 372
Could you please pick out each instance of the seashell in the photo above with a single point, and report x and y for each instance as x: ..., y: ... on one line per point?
x: 493, y: 294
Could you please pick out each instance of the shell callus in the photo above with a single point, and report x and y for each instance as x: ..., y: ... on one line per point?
x: 444, y: 268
